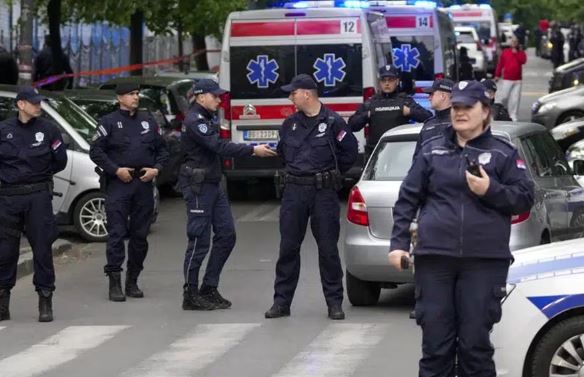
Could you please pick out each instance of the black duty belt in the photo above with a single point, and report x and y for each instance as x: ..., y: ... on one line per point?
x: 23, y: 189
x: 324, y: 179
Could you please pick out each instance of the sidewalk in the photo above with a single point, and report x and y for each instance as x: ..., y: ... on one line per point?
x: 25, y: 263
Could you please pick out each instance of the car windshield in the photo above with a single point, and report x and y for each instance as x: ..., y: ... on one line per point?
x: 82, y: 122
x: 464, y: 37
x: 390, y: 161
x: 96, y: 108
x: 483, y: 28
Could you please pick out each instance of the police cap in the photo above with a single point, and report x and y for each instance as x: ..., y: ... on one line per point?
x: 388, y: 71
x: 444, y: 85
x: 203, y: 86
x: 468, y: 93
x: 29, y: 94
x: 489, y: 84
x: 126, y: 87
x: 301, y: 81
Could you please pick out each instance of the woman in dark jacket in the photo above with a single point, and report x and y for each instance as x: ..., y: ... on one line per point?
x: 466, y: 185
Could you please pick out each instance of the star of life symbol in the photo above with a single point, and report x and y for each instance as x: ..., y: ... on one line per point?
x: 329, y: 69
x: 406, y: 57
x: 262, y: 72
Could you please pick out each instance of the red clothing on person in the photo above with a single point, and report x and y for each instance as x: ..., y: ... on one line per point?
x: 510, y: 64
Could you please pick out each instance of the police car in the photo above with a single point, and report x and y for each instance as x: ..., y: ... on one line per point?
x: 341, y: 47
x: 542, y: 329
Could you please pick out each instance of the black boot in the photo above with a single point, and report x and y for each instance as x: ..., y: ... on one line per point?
x: 335, y: 312
x: 4, y: 305
x: 277, y: 311
x: 115, y: 287
x: 193, y: 301
x: 132, y: 289
x: 212, y: 295
x: 45, y: 306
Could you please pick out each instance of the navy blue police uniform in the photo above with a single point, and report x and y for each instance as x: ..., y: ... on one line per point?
x: 129, y: 141
x: 462, y: 251
x: 437, y: 123
x: 312, y: 148
x: 498, y: 110
x: 384, y: 111
x: 30, y: 154
x: 207, y: 203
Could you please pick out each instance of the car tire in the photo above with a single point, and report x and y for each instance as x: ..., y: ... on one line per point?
x: 550, y: 346
x: 578, y: 222
x: 361, y: 292
x: 89, y: 217
x: 545, y: 238
x: 570, y: 115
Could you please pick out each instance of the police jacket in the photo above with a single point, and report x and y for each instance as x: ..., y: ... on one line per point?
x: 131, y: 141
x: 452, y: 220
x: 386, y: 112
x: 307, y: 144
x: 500, y: 112
x: 433, y: 126
x: 30, y: 152
x: 201, y: 145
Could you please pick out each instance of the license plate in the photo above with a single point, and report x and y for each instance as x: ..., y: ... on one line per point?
x: 260, y: 135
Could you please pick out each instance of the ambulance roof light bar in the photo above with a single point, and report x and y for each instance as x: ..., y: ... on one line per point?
x: 328, y: 4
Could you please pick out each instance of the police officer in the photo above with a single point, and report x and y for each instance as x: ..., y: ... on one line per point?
x: 317, y: 146
x: 439, y: 93
x: 465, y: 185
x: 387, y: 109
x: 131, y: 153
x: 31, y: 151
x: 207, y: 204
x: 497, y: 109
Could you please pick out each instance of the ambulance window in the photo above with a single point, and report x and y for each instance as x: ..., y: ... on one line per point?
x: 421, y: 64
x: 448, y: 41
x: 260, y: 71
x: 336, y: 67
x: 483, y: 28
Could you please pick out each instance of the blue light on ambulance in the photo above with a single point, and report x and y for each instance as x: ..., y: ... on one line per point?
x: 485, y: 6
x: 352, y: 4
x: 298, y: 5
x: 425, y: 4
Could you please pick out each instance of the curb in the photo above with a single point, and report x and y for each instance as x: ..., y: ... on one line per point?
x: 25, y: 262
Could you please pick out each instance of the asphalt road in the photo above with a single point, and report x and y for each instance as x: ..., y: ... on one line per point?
x: 155, y: 337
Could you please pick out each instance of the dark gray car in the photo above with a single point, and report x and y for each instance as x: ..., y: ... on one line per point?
x: 559, y: 107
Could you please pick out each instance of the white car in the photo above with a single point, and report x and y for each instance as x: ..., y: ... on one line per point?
x: 542, y: 329
x: 467, y: 36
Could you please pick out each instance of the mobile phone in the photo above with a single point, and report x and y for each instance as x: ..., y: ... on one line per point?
x: 473, y: 168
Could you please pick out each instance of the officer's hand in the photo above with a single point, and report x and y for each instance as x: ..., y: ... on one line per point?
x: 395, y: 257
x: 478, y: 185
x: 406, y: 111
x: 148, y: 174
x: 263, y: 150
x: 124, y: 174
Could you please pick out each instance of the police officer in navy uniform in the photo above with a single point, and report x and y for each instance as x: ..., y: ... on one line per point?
x: 465, y: 185
x: 498, y: 109
x: 31, y: 152
x: 317, y: 146
x: 439, y: 95
x: 387, y: 109
x: 207, y: 203
x: 131, y: 152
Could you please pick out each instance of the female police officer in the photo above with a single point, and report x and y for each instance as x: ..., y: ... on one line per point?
x: 467, y: 184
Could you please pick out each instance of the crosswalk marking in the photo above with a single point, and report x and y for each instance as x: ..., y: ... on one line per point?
x: 337, y: 351
x: 56, y: 350
x: 204, y: 345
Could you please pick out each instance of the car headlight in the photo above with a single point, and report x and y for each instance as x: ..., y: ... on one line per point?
x: 568, y: 132
x: 547, y: 107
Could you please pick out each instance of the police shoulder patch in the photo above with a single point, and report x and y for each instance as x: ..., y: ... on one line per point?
x: 203, y: 128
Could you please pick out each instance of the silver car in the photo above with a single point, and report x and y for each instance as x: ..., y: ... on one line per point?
x: 78, y: 200
x: 559, y: 107
x: 558, y: 212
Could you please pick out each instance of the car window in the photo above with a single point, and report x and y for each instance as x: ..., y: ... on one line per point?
x: 96, y: 109
x: 555, y: 155
x: 7, y: 107
x: 390, y: 161
x: 464, y: 37
x: 483, y: 28
x: 545, y: 156
x: 421, y: 68
x: 82, y: 122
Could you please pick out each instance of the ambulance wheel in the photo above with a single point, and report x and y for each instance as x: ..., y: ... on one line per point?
x: 89, y: 217
x: 560, y: 351
x: 361, y: 292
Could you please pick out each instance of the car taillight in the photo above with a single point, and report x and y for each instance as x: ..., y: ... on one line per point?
x: 439, y: 76
x: 356, y: 208
x: 516, y: 219
x: 224, y: 133
x: 419, y: 89
x: 368, y: 93
x: 227, y: 163
x: 225, y: 116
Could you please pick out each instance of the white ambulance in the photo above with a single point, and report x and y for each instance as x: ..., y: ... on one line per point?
x: 423, y: 41
x: 484, y: 19
x: 340, y: 47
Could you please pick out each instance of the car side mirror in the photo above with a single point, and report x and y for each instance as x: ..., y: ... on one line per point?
x: 66, y: 139
x: 578, y: 167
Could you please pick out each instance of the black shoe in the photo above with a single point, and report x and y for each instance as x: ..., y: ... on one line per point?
x: 194, y: 301
x: 277, y: 311
x: 115, y: 287
x: 336, y: 312
x: 45, y: 306
x: 4, y: 305
x: 132, y: 289
x: 212, y: 295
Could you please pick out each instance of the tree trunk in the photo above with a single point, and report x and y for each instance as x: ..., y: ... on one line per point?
x: 25, y: 43
x: 201, y: 58
x: 136, y: 40
x: 59, y: 63
x: 179, y: 31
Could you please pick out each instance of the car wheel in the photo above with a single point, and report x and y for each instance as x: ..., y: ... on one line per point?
x: 577, y: 222
x: 545, y: 238
x: 361, y: 292
x: 560, y: 352
x: 570, y: 115
x: 89, y: 217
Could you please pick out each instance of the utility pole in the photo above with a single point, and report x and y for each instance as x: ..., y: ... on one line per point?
x: 25, y: 42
